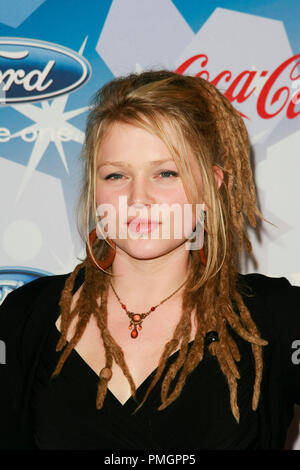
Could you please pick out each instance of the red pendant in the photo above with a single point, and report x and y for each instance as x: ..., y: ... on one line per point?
x: 136, y: 317
x: 134, y: 333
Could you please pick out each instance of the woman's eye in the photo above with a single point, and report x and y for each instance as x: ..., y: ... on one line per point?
x: 173, y: 173
x: 113, y: 174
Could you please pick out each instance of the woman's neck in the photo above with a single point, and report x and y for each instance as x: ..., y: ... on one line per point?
x: 140, y: 282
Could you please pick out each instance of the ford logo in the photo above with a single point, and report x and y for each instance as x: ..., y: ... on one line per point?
x: 13, y: 277
x: 32, y: 70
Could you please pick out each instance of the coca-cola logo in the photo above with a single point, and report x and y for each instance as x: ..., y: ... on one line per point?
x: 272, y: 98
x: 33, y: 70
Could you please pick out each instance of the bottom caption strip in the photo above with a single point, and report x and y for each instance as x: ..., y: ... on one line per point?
x: 149, y: 459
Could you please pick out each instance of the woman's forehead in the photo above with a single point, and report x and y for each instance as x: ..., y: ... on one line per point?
x: 123, y: 137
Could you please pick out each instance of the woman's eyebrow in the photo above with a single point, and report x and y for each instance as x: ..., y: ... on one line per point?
x: 125, y: 164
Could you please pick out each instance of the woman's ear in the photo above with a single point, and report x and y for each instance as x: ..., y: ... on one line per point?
x: 218, y: 174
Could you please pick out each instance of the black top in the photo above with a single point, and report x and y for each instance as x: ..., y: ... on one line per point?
x: 39, y: 413
x: 65, y: 414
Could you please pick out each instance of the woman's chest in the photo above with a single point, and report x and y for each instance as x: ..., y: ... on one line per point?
x: 141, y: 354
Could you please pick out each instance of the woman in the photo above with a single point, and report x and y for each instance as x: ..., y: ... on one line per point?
x: 155, y: 342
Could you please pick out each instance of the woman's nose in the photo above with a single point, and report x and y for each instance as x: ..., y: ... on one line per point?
x: 140, y: 192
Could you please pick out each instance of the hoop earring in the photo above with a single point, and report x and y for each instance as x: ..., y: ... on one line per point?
x: 202, y: 256
x: 111, y: 254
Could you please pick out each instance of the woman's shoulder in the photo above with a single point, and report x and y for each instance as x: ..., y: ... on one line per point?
x: 277, y: 294
x: 39, y: 289
x: 258, y: 281
x: 31, y: 305
x: 32, y: 291
x: 277, y: 297
x: 274, y: 305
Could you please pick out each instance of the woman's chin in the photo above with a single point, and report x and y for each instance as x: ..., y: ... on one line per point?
x: 143, y: 248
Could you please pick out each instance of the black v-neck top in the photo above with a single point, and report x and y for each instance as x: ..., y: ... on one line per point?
x: 39, y: 413
x: 65, y: 414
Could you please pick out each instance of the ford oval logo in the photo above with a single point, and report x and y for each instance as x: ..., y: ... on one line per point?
x: 32, y: 70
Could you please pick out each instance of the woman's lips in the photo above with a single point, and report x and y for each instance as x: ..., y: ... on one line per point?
x: 142, y: 227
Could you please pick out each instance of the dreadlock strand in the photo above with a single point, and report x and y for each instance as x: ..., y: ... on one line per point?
x: 65, y: 306
x: 194, y: 356
x: 181, y: 358
x: 222, y: 304
x: 230, y: 359
x: 231, y: 380
x: 236, y: 325
x: 169, y: 347
x: 234, y: 349
x: 103, y: 381
x: 184, y: 335
x: 246, y: 318
x: 80, y: 327
x: 197, y: 349
x: 114, y: 351
x: 84, y: 313
x: 256, y: 348
x: 257, y: 352
x: 223, y: 345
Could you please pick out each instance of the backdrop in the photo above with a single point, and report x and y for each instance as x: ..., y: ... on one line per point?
x: 54, y: 54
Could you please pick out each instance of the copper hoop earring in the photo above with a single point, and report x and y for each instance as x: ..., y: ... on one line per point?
x: 202, y: 256
x: 111, y: 254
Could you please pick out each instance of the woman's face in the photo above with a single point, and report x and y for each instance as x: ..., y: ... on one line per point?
x: 137, y: 178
